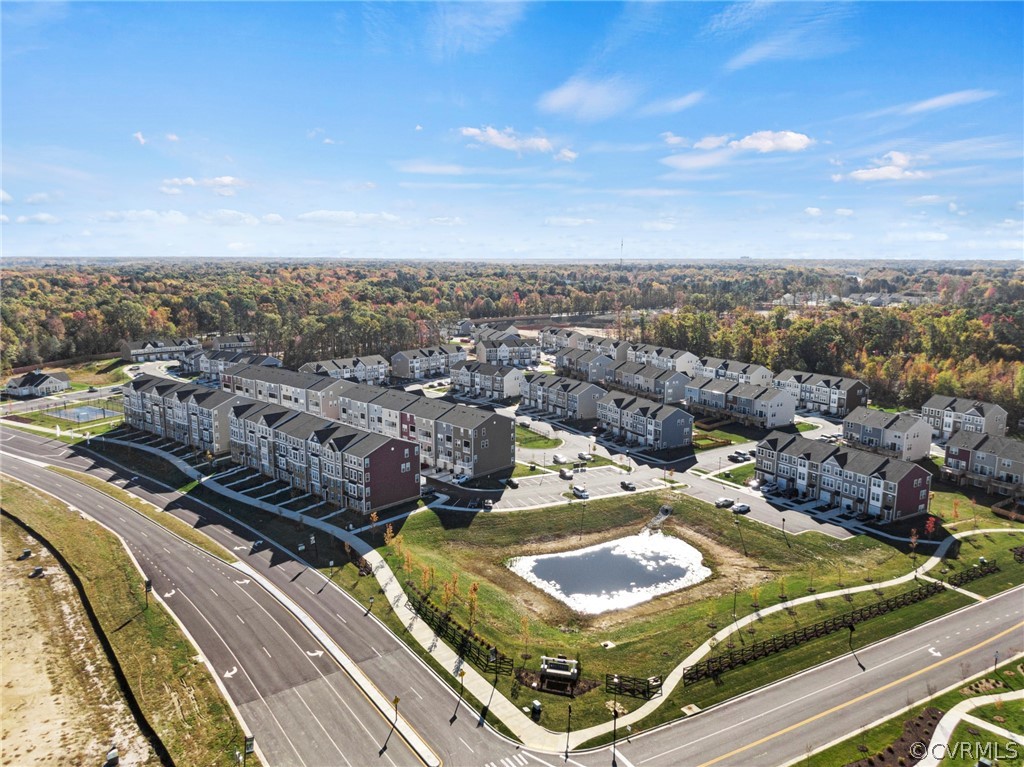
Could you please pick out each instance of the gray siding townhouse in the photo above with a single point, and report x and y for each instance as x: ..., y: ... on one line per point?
x: 519, y: 352
x: 949, y: 414
x: 37, y: 384
x: 668, y: 386
x: 553, y: 339
x: 842, y: 477
x: 733, y: 370
x: 987, y: 461
x: 481, y: 379
x: 210, y: 364
x: 644, y: 422
x: 474, y: 442
x: 833, y: 395
x: 239, y: 342
x: 300, y: 391
x: 159, y: 349
x: 562, y: 397
x: 902, y: 435
x: 428, y: 362
x: 754, y: 405
x: 663, y: 357
x: 591, y: 366
x: 370, y: 368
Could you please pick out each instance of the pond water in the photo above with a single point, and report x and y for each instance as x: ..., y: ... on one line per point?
x: 616, y: 574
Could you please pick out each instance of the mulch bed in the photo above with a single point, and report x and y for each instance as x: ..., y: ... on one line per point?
x: 917, y: 730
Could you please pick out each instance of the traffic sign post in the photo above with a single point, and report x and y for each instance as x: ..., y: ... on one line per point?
x: 149, y: 588
x: 395, y: 701
x: 250, y: 747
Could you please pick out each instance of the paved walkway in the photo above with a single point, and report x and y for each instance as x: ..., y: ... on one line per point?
x: 530, y: 733
x: 939, y: 747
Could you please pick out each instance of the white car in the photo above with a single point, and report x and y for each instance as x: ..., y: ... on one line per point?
x: 740, y: 508
x: 458, y: 479
x: 585, y: 456
x: 559, y: 458
x: 723, y: 503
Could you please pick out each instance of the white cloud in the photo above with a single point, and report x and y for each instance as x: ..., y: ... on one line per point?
x: 566, y: 155
x: 661, y: 225
x: 225, y: 186
x: 567, y: 221
x: 273, y: 218
x: 227, y: 217
x: 187, y: 181
x: 172, y: 137
x: 238, y: 247
x: 699, y: 161
x: 945, y: 101
x: 916, y: 237
x: 508, y: 140
x: 844, y: 212
x: 673, y: 106
x: 38, y: 218
x: 470, y: 27
x: 329, y: 141
x: 170, y: 190
x: 432, y: 169
x: 819, y: 236
x: 737, y: 17
x: 814, y: 212
x: 418, y: 128
x: 4, y: 219
x: 4, y: 197
x: 926, y: 199
x: 804, y: 31
x: 893, y: 166
x: 672, y: 139
x: 774, y: 141
x: 347, y: 218
x: 588, y: 100
x: 711, y: 142
x: 139, y: 137
x: 39, y: 198
x: 447, y: 221
x: 144, y: 216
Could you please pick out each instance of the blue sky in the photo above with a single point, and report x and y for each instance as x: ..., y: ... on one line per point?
x: 514, y: 131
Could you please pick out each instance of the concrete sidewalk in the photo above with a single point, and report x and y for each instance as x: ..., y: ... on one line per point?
x: 939, y: 747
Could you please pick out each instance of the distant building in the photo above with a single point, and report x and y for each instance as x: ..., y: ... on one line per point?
x: 427, y: 362
x: 552, y: 338
x: 482, y: 379
x: 663, y: 357
x: 733, y: 370
x: 240, y: 342
x: 832, y: 395
x: 561, y: 397
x: 661, y: 384
x: 589, y: 365
x: 947, y: 415
x: 509, y: 350
x: 210, y: 364
x: 903, y: 435
x: 38, y: 384
x: 752, y: 404
x: 154, y: 349
x: 370, y: 368
x: 644, y: 422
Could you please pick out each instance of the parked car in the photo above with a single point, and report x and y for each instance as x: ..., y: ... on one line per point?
x: 133, y: 368
x: 723, y: 503
x: 752, y: 452
x: 565, y: 473
x: 475, y: 503
x: 585, y: 456
x: 580, y: 492
x: 769, y: 487
x: 93, y: 389
x: 627, y: 485
x: 559, y: 458
x: 458, y: 479
x: 488, y: 504
x: 740, y: 508
x: 512, y: 482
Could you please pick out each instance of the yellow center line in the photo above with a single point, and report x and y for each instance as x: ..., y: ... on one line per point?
x: 858, y: 699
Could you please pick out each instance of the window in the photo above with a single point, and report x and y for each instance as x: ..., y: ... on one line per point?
x: 923, y: 495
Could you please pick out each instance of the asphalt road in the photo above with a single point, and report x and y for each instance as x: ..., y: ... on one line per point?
x: 771, y: 726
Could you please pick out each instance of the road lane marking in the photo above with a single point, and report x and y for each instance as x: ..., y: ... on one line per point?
x: 267, y: 652
x: 239, y: 619
x: 416, y: 693
x: 215, y: 593
x: 375, y: 650
x: 467, y: 745
x: 864, y: 696
x: 190, y: 569
x: 341, y: 619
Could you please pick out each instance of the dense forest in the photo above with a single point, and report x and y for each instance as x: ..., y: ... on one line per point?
x: 967, y: 339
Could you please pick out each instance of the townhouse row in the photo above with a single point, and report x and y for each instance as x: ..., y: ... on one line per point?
x: 994, y: 463
x: 211, y: 363
x: 370, y: 368
x: 901, y: 435
x: 451, y: 437
x: 855, y: 480
x: 350, y: 467
x: 482, y: 379
x: 759, y: 405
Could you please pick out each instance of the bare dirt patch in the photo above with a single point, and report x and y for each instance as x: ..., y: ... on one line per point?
x: 61, y: 705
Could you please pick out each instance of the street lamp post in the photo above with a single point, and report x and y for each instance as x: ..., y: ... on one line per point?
x: 568, y: 729
x: 370, y: 608
x: 615, y: 713
x: 739, y: 528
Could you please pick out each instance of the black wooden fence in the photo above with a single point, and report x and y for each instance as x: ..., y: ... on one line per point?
x: 1018, y: 554
x: 633, y: 686
x: 972, y: 573
x: 462, y: 639
x: 714, y: 666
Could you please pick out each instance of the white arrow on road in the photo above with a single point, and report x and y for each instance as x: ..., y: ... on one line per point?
x: 239, y: 548
x: 934, y: 652
x: 242, y: 583
x: 316, y: 654
x: 170, y: 593
x: 231, y: 673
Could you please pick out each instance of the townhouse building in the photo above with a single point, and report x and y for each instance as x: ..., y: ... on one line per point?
x: 947, y: 415
x: 552, y: 338
x: 733, y: 370
x: 562, y: 397
x: 239, y: 342
x: 663, y: 357
x: 843, y: 477
x: 660, y: 384
x: 37, y: 384
x: 832, y: 395
x: 751, y: 404
x: 988, y: 461
x: 196, y: 416
x: 615, y: 350
x: 427, y: 362
x: 644, y: 422
x: 903, y: 435
x: 474, y: 442
x: 591, y: 366
x: 482, y: 379
x: 308, y: 392
x: 370, y: 368
x: 512, y: 350
x: 153, y: 349
x: 210, y: 364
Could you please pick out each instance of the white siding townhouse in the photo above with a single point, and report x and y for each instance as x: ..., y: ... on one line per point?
x: 37, y: 384
x: 949, y: 414
x: 733, y: 370
x: 210, y: 364
x: 832, y: 395
x: 644, y: 422
x: 481, y: 379
x: 239, y: 342
x: 553, y: 339
x: 370, y: 368
x: 663, y: 357
x: 307, y: 392
x: 428, y: 362
x: 589, y: 365
x: 519, y: 352
x: 159, y: 349
x: 663, y: 385
x: 562, y: 397
x: 903, y: 435
x: 987, y: 461
x: 754, y: 405
x: 842, y: 477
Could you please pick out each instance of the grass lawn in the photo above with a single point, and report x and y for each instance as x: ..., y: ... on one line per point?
x: 804, y: 426
x: 878, y: 738
x: 964, y: 748
x: 176, y: 691
x: 993, y: 547
x: 1012, y: 715
x: 97, y: 373
x: 741, y: 474
x: 531, y: 440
